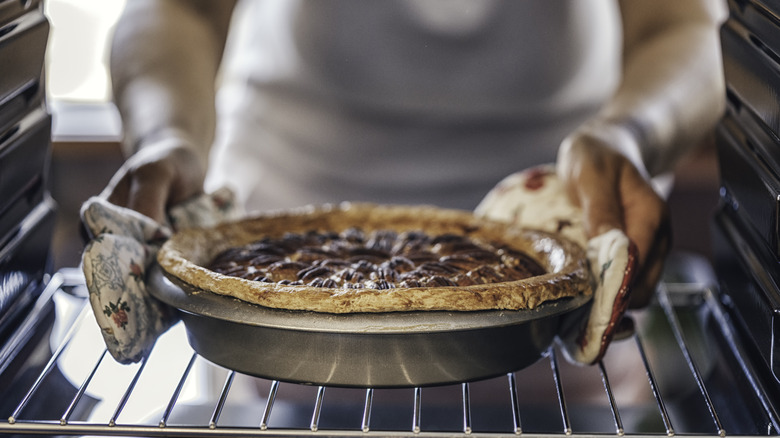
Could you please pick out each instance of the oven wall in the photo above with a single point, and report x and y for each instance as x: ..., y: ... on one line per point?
x: 78, y: 170
x: 694, y: 200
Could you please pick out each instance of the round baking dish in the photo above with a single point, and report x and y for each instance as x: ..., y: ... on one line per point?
x: 369, y: 337
x: 363, y: 349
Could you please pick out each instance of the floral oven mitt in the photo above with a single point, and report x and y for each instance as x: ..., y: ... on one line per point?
x: 123, y: 245
x: 535, y: 198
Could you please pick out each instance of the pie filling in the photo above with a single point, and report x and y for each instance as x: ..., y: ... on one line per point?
x: 377, y: 259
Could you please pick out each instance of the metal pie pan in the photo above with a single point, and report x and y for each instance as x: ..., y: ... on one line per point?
x: 398, y: 349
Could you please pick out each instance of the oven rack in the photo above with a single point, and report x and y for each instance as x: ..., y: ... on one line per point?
x: 723, y: 377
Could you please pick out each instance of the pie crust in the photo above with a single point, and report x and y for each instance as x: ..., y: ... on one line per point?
x: 186, y: 254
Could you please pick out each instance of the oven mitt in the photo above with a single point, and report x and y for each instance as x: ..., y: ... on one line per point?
x: 123, y: 243
x: 535, y: 198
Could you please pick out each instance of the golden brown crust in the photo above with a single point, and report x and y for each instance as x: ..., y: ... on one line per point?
x: 185, y: 254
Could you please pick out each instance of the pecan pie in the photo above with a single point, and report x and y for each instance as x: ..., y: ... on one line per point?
x: 371, y: 258
x: 379, y: 259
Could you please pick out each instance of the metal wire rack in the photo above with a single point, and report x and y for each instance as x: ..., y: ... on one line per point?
x: 683, y: 372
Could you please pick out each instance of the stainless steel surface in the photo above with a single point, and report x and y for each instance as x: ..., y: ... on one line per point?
x: 378, y: 350
x: 23, y: 38
x: 747, y: 224
x: 23, y: 265
x: 684, y: 372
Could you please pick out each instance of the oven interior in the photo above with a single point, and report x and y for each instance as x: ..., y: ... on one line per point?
x: 701, y: 360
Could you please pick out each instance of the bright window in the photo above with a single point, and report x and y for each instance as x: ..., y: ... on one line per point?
x: 77, y: 78
x: 78, y: 48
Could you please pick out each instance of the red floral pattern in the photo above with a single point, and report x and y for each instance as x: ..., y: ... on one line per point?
x: 118, y: 312
x: 535, y: 179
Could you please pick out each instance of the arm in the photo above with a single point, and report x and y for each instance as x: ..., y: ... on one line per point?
x: 165, y: 57
x: 671, y: 95
x: 673, y: 89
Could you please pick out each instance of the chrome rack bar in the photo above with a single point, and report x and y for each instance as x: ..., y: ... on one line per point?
x: 515, y: 403
x: 269, y: 404
x: 364, y: 426
x: 126, y: 395
x: 82, y: 389
x: 177, y: 391
x: 466, y: 408
x: 559, y: 389
x: 22, y: 333
x: 674, y: 323
x: 654, y: 387
x: 612, y: 404
x: 315, y: 416
x: 222, y: 399
x: 50, y: 364
x: 416, y: 413
x: 739, y: 354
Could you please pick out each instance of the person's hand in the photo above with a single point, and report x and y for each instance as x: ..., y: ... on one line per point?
x: 156, y: 177
x: 614, y: 194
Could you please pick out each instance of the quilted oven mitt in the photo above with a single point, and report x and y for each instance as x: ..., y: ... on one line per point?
x: 123, y: 243
x: 535, y: 198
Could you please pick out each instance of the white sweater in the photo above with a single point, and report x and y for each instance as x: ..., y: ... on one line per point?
x: 426, y: 101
